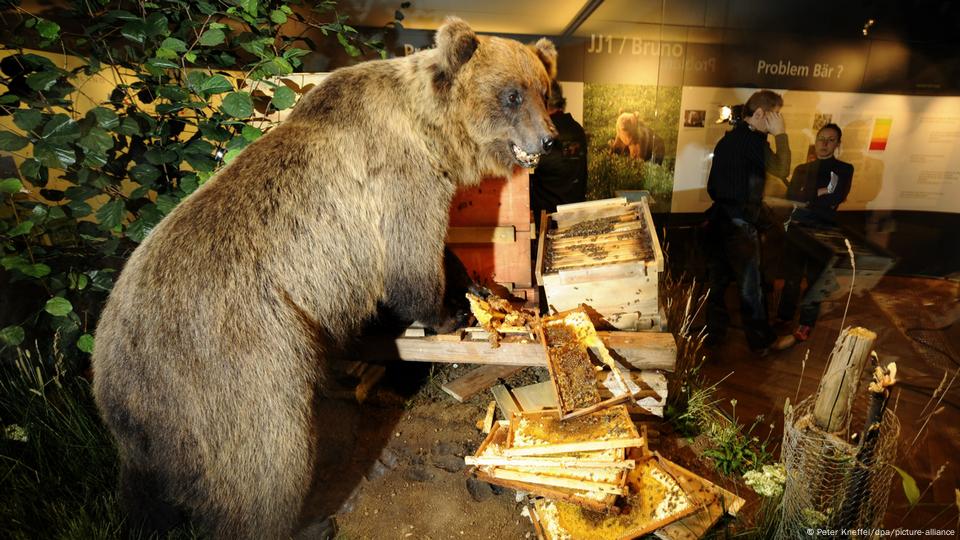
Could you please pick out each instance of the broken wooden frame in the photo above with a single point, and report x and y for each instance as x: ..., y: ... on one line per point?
x: 490, y: 465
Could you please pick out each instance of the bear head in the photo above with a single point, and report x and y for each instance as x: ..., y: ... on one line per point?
x: 499, y: 90
x: 627, y: 123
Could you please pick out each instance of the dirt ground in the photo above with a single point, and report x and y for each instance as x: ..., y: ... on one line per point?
x: 393, y: 466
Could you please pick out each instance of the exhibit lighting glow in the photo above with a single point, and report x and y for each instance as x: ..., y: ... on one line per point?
x: 725, y: 113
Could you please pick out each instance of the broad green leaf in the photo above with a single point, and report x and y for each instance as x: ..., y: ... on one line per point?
x: 128, y: 126
x: 238, y: 104
x: 278, y: 16
x: 206, y: 8
x: 27, y: 119
x: 48, y: 29
x: 101, y: 279
x: 189, y: 183
x: 250, y: 6
x: 216, y: 84
x: 79, y: 209
x: 257, y: 46
x: 230, y: 155
x: 283, y: 98
x: 10, y: 99
x: 81, y: 282
x: 39, y: 213
x: 174, y: 44
x: 97, y: 140
x: 36, y: 270
x: 81, y: 193
x: 157, y: 25
x: 11, y: 142
x: 42, y: 81
x: 159, y: 156
x: 85, y: 343
x: 212, y: 38
x: 347, y: 46
x: 135, y: 31
x: 156, y: 66
x: 105, y: 118
x: 909, y: 486
x: 144, y: 173
x: 10, y: 185
x: 60, y: 130
x: 13, y: 261
x: 166, y: 203
x: 56, y: 212
x: 191, y: 57
x: 278, y: 66
x: 111, y: 214
x: 173, y: 93
x: 12, y: 335
x: 251, y: 133
x: 167, y: 54
x: 58, y: 306
x: 55, y: 157
x: 22, y: 228
x: 31, y: 168
x: 121, y: 15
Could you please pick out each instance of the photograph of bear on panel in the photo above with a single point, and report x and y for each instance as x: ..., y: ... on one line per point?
x: 632, y: 143
x: 207, y: 382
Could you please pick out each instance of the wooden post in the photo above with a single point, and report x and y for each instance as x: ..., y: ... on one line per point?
x: 838, y: 387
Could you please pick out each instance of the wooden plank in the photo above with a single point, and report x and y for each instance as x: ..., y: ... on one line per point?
x: 654, y: 240
x: 505, y: 401
x: 478, y: 380
x: 488, y: 418
x: 549, y: 461
x: 558, y: 481
x: 481, y: 235
x: 638, y: 350
x: 536, y: 397
x: 544, y: 225
x: 579, y: 498
x: 711, y: 501
x: 544, y: 433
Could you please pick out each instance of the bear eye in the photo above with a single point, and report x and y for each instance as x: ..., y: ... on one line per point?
x: 514, y: 98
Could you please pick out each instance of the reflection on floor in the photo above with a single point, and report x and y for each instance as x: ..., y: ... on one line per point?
x: 915, y: 320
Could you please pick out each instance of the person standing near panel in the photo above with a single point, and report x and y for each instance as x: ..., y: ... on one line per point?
x: 821, y: 185
x: 741, y: 161
x: 561, y: 176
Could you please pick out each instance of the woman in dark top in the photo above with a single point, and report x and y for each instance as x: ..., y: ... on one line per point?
x: 820, y: 185
x: 823, y: 183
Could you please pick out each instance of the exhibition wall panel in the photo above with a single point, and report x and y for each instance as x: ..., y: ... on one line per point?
x: 905, y: 149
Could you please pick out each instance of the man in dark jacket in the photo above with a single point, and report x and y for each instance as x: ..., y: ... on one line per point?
x: 561, y: 176
x: 741, y: 161
x: 820, y: 185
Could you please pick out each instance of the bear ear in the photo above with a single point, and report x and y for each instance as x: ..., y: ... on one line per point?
x: 456, y: 42
x: 547, y: 53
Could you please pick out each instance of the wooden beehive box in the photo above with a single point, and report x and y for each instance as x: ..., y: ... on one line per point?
x: 604, y: 254
x: 490, y: 231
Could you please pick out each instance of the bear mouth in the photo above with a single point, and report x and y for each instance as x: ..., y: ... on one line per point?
x: 527, y: 161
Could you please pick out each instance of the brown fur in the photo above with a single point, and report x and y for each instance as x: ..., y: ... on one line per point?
x: 212, y: 345
x: 636, y: 139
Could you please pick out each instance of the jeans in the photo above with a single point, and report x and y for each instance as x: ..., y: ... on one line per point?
x: 732, y: 249
x: 798, y: 265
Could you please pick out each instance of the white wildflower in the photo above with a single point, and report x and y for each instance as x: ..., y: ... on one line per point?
x: 768, y: 481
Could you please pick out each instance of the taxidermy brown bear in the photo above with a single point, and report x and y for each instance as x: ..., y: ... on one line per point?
x: 212, y: 345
